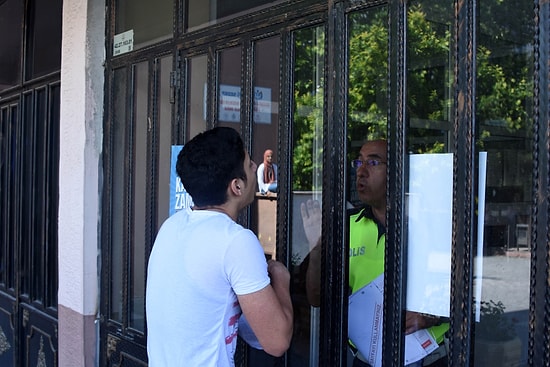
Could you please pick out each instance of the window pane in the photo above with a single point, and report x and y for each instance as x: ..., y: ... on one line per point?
x: 504, y: 84
x: 3, y: 194
x: 4, y: 203
x: 265, y: 140
x: 198, y: 72
x: 165, y: 140
x: 8, y: 167
x: 229, y: 93
x: 366, y: 130
x: 141, y: 127
x: 429, y: 190
x: 26, y: 202
x: 306, y: 181
x: 11, y: 12
x: 53, y: 196
x: 266, y: 123
x: 429, y: 84
x: 367, y: 84
x: 119, y: 194
x: 205, y: 12
x: 38, y: 187
x: 44, y: 54
x: 151, y: 21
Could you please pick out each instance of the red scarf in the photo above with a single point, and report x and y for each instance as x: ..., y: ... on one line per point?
x: 269, y: 172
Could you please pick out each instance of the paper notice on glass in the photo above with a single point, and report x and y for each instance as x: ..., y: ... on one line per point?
x: 365, y: 317
x: 430, y: 232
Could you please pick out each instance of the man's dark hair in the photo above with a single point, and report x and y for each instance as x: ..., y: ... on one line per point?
x: 208, y: 162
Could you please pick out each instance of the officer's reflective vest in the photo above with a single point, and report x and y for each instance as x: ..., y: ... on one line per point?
x: 366, y: 259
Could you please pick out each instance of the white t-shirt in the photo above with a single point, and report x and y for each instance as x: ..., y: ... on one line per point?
x: 199, y: 263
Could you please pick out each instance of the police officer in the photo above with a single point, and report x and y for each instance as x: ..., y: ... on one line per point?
x: 367, y: 245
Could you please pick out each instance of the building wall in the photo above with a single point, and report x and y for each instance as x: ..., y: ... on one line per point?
x: 81, y: 125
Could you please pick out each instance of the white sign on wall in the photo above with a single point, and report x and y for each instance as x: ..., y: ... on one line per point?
x: 123, y: 42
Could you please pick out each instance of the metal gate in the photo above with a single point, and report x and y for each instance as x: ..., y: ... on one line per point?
x: 29, y: 161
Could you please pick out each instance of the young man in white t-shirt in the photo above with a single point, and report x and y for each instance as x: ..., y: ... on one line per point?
x: 205, y: 269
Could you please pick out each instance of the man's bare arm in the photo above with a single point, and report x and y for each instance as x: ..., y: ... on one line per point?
x: 269, y: 311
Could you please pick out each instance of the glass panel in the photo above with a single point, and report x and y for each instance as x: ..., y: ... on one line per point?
x: 13, y: 164
x: 366, y: 132
x: 429, y: 189
x: 198, y: 72
x: 306, y: 181
x: 11, y: 13
x: 504, y: 84
x: 39, y: 188
x: 45, y: 39
x: 4, y: 203
x: 118, y: 198
x: 265, y: 139
x: 266, y: 98
x: 367, y: 85
x: 165, y: 139
x: 141, y: 127
x: 151, y: 21
x: 202, y: 13
x: 24, y: 147
x: 229, y: 87
x: 53, y: 196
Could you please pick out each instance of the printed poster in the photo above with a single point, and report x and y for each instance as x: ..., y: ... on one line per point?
x: 179, y: 198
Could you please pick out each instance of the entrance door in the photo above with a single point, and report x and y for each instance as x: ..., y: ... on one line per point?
x: 29, y: 156
x: 138, y: 148
x: 161, y: 95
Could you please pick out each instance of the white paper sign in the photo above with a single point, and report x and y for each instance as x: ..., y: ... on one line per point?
x: 123, y: 42
x: 430, y: 203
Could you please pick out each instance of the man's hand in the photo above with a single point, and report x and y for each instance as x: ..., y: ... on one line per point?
x: 278, y: 273
x: 416, y: 321
x: 311, y: 219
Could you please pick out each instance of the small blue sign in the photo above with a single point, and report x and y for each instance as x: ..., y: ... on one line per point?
x: 179, y: 198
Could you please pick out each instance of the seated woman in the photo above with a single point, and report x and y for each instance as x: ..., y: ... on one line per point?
x: 267, y: 174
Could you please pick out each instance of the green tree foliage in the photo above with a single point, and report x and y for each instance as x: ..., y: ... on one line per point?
x: 504, y: 60
x: 308, y: 109
x: 503, y: 78
x: 368, y: 76
x: 428, y: 80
